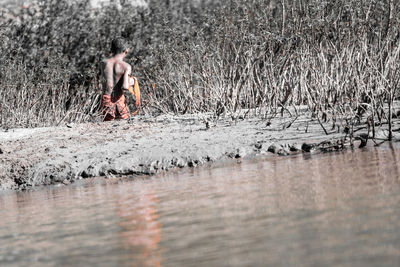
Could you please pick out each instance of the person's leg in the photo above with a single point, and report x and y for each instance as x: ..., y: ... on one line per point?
x: 108, y: 108
x: 122, y: 110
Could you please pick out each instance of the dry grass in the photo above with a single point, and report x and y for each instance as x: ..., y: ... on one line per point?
x: 257, y: 58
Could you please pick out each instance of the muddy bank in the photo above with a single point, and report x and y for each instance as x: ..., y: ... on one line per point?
x: 145, y: 145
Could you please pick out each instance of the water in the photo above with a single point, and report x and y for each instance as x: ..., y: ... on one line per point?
x: 340, y: 209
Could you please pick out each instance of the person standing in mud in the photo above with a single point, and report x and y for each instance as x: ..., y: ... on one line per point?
x: 116, y: 79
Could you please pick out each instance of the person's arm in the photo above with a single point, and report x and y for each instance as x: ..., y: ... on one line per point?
x: 127, y: 73
x: 104, y: 77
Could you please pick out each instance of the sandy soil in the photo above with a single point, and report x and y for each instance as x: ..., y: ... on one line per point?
x: 143, y: 145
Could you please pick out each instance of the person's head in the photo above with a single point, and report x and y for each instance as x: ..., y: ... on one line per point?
x: 119, y: 46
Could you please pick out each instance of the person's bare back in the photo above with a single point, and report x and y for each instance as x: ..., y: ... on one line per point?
x: 116, y: 74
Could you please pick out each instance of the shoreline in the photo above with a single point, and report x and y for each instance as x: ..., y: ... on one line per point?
x: 147, y: 145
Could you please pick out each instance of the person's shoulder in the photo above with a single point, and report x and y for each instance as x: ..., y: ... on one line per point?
x: 127, y: 65
x: 104, y: 62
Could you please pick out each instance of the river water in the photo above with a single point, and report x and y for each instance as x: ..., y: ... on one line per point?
x: 337, y: 209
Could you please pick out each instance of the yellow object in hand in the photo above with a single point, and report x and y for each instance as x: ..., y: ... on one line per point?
x: 135, y: 91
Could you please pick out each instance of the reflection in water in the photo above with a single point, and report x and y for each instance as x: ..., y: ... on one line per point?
x: 329, y: 209
x: 141, y: 229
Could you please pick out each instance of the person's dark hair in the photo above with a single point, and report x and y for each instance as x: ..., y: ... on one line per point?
x: 118, y: 45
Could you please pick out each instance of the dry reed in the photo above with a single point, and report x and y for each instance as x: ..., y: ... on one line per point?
x: 257, y: 58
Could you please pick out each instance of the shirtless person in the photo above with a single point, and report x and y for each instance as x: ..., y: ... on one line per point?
x: 116, y: 79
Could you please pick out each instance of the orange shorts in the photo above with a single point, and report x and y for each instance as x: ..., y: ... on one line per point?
x: 114, y: 108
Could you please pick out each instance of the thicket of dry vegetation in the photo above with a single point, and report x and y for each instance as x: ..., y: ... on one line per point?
x: 339, y: 58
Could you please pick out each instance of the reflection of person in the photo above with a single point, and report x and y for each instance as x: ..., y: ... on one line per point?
x: 141, y: 228
x: 116, y: 79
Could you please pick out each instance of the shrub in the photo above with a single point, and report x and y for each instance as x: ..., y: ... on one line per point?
x: 339, y: 58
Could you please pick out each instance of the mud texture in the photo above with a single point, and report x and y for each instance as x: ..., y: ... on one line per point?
x: 147, y: 145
